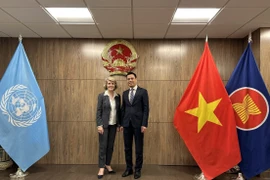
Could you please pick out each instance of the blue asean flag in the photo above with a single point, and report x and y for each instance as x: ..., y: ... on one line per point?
x: 23, y: 124
x: 250, y: 100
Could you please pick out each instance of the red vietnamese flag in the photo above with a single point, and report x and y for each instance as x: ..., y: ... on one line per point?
x: 205, y: 120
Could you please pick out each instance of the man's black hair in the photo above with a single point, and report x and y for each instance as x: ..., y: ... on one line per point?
x: 129, y: 73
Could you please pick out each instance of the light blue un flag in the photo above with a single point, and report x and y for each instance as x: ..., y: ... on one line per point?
x: 23, y: 124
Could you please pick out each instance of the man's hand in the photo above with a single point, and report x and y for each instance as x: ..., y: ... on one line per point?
x: 143, y: 129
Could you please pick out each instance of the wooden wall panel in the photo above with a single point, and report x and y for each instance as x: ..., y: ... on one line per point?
x: 140, y: 46
x: 153, y: 143
x: 175, y: 91
x: 50, y: 92
x: 164, y: 146
x: 169, y: 60
x: 52, y: 59
x: 164, y: 96
x: 7, y: 49
x: 226, y: 54
x: 256, y: 45
x: 72, y: 142
x: 69, y: 59
x: 77, y: 143
x: 265, y: 55
x: 36, y: 53
x: 71, y: 75
x: 159, y: 60
x: 157, y: 100
x: 91, y: 64
x: 190, y: 56
x: 78, y: 99
x: 171, y: 143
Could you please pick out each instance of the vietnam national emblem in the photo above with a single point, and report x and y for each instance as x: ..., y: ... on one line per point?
x: 119, y: 57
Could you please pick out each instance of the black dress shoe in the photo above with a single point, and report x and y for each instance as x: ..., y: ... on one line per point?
x: 127, y: 173
x: 99, y: 176
x: 137, y: 174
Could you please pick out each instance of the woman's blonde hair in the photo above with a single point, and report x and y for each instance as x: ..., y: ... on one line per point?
x: 110, y: 78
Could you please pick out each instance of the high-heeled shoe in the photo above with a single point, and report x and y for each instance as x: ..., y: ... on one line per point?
x: 110, y: 172
x: 100, y: 176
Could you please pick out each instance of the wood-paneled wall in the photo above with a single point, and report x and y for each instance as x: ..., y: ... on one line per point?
x: 71, y: 75
x: 265, y: 55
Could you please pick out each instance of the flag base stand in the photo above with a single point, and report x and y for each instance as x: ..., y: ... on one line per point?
x: 199, y: 177
x: 18, y: 174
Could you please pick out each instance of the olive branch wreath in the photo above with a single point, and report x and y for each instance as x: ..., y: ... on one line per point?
x: 3, y: 107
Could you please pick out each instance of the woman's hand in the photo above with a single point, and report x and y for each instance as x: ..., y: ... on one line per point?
x: 100, y: 129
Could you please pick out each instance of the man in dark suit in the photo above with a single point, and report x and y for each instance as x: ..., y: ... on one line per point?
x: 135, y: 112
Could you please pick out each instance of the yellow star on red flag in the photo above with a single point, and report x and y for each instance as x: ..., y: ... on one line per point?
x: 207, y: 123
x: 205, y: 112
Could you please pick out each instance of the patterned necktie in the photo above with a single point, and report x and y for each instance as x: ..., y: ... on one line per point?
x: 131, y: 96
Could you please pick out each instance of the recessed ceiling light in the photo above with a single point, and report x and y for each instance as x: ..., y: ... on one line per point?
x: 194, y: 15
x: 71, y: 15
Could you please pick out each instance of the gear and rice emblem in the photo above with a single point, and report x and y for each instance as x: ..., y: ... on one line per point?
x: 21, y: 106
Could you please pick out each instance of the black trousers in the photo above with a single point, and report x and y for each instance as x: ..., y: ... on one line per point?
x: 129, y: 133
x: 106, y: 145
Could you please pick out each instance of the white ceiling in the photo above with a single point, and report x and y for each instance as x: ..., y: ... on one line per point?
x: 133, y: 19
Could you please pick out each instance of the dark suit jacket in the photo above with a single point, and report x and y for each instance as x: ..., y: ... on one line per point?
x: 104, y: 110
x: 137, y: 113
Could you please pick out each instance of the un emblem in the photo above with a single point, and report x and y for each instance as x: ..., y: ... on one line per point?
x: 21, y: 106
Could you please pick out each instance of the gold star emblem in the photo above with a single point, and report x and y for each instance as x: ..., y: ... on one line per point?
x: 205, y: 112
x: 119, y: 50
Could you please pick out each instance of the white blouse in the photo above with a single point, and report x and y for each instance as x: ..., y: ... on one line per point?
x: 112, y: 120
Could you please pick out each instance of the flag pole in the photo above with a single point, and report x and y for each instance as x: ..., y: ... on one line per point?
x: 20, y: 38
x: 19, y: 173
x: 201, y: 175
x: 249, y: 37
